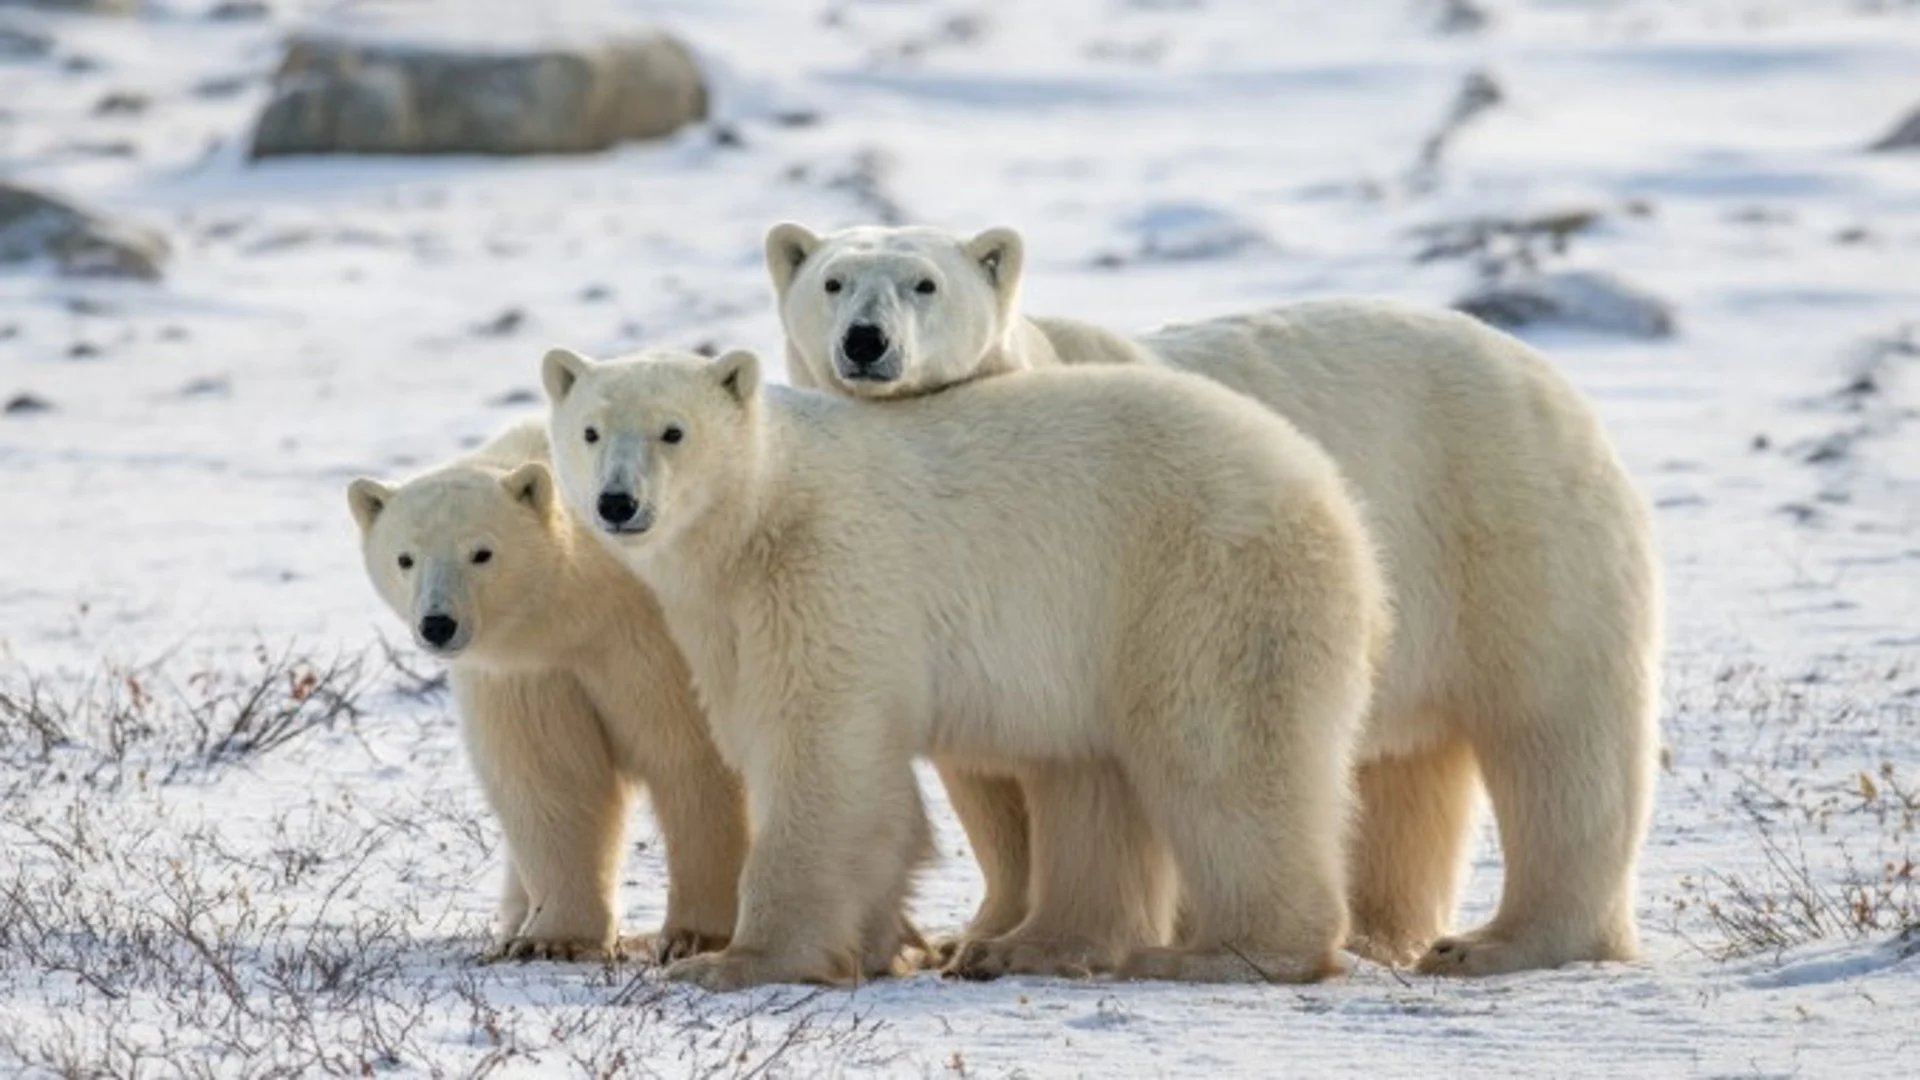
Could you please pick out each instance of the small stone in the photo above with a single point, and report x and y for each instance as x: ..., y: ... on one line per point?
x: 220, y: 86
x: 1461, y: 17
x: 18, y: 44
x: 82, y: 350
x: 110, y: 148
x: 79, y: 243
x: 239, y: 11
x: 1584, y: 299
x: 796, y: 118
x: 122, y: 103
x: 594, y: 294
x: 1904, y: 136
x: 728, y: 136
x: 27, y: 404
x: 207, y: 386
x: 517, y: 396
x: 502, y: 324
x: 96, y: 7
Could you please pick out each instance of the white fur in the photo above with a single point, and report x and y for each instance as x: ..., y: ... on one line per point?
x: 570, y: 693
x: 1108, y: 565
x: 1525, y: 585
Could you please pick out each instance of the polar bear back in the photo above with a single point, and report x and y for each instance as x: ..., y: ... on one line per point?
x: 1496, y: 498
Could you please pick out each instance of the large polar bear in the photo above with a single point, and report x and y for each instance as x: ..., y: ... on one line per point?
x: 1525, y: 584
x: 570, y: 693
x: 1127, y: 566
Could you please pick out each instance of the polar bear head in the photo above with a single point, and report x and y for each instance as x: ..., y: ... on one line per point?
x: 891, y: 312
x: 645, y: 444
x: 464, y: 553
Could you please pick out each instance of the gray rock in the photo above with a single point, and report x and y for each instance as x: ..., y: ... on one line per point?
x: 1461, y: 17
x: 26, y: 404
x: 1904, y: 136
x: 19, y: 44
x: 35, y: 226
x: 336, y: 96
x: 1584, y: 299
x: 239, y: 11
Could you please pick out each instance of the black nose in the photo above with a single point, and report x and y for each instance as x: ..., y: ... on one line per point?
x: 864, y: 345
x: 438, y: 629
x: 617, y: 507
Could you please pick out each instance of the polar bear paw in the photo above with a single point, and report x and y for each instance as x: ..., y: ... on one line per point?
x: 563, y: 950
x: 992, y: 958
x: 1487, y: 951
x: 1230, y: 965
x: 732, y: 969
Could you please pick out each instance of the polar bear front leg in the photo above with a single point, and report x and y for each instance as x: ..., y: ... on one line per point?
x: 703, y: 820
x: 1103, y: 885
x: 838, y: 829
x: 537, y: 746
x: 511, y: 915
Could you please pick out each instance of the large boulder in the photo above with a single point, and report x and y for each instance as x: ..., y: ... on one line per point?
x: 35, y: 226
x: 339, y: 96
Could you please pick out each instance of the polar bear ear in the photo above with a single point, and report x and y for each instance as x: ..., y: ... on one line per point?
x: 1001, y: 255
x: 738, y: 373
x: 532, y: 484
x: 559, y: 370
x: 788, y: 245
x: 366, y: 498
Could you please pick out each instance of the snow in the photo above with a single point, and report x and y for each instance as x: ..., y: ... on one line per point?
x: 182, y: 504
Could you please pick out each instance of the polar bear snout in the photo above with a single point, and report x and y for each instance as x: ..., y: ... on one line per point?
x: 620, y: 512
x: 437, y: 630
x: 866, y: 354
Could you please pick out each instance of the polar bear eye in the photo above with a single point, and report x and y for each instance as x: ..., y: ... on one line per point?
x: 833, y: 284
x: 406, y: 562
x: 673, y: 434
x: 926, y: 287
x: 593, y: 435
x: 484, y: 555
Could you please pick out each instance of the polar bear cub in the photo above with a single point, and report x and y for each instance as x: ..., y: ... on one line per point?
x: 1134, y: 567
x: 1526, y: 588
x: 570, y: 695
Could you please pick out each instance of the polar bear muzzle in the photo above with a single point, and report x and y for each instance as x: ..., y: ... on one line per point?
x: 620, y: 512
x: 866, y: 355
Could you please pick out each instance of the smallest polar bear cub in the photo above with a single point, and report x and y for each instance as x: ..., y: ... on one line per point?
x: 1115, y: 565
x: 571, y: 696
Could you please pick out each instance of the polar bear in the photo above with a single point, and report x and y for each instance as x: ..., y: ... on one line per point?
x: 1117, y: 565
x: 570, y: 694
x: 1525, y: 580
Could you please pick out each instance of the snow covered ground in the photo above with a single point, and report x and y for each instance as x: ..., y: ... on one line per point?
x: 175, y: 531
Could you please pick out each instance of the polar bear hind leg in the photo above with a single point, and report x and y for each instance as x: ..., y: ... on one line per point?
x: 1093, y: 898
x: 1406, y: 861
x: 1570, y: 772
